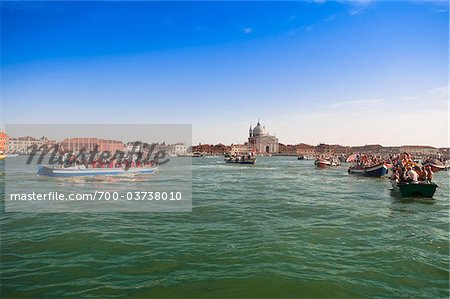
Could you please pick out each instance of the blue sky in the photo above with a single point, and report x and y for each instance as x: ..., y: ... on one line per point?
x: 347, y: 72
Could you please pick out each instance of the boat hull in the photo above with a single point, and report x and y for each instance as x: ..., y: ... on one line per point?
x: 71, y: 172
x: 415, y: 189
x: 373, y: 171
x: 326, y: 163
x: 322, y: 163
x: 435, y: 167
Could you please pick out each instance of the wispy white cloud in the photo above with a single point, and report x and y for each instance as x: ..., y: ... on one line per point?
x: 357, y: 11
x: 291, y: 18
x: 310, y: 27
x: 440, y: 93
x: 357, y: 2
x: 384, y: 120
x: 380, y: 125
x: 247, y: 30
x: 410, y: 98
x: 329, y: 18
x: 357, y: 7
x: 358, y: 103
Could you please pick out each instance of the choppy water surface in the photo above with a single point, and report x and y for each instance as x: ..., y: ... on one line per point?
x: 280, y: 228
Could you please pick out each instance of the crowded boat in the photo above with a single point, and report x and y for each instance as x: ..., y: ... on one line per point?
x: 74, y: 161
x: 323, y: 161
x: 413, y: 180
x: 436, y: 164
x: 240, y: 159
x: 368, y: 165
x: 76, y: 165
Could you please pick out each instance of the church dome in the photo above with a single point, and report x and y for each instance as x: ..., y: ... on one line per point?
x: 259, y: 130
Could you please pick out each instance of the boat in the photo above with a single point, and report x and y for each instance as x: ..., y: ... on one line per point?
x: 411, y: 189
x: 343, y: 159
x: 322, y: 163
x: 2, y: 157
x: 73, y: 172
x: 197, y: 154
x: 301, y: 158
x: 11, y: 155
x: 326, y: 163
x: 435, y: 166
x: 377, y: 171
x: 241, y: 160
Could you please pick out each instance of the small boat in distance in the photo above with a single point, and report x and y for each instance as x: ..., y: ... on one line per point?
x: 73, y: 172
x: 240, y: 159
x: 197, y: 154
x: 11, y: 155
x: 321, y: 163
x: 412, y: 189
x: 301, y: 157
x: 377, y: 171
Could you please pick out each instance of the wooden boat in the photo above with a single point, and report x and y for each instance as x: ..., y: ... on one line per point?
x: 2, y: 157
x: 322, y: 163
x: 325, y: 163
x: 72, y: 172
x: 435, y: 167
x: 414, y: 188
x: 240, y: 160
x: 377, y: 171
x: 343, y: 159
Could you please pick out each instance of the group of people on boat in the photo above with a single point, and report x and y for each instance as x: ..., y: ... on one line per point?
x: 439, y: 159
x: 367, y: 160
x: 405, y: 169
x: 333, y: 160
x: 74, y: 161
x: 240, y: 158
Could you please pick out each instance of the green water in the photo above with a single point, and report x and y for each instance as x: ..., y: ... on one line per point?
x: 280, y: 228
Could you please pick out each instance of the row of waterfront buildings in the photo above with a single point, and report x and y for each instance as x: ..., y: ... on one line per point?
x: 259, y: 142
x: 322, y: 149
x: 26, y: 144
x: 262, y: 143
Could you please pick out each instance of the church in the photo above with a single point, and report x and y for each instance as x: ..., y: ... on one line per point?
x: 261, y: 142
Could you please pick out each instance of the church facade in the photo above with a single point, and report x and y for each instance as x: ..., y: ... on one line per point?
x: 261, y: 141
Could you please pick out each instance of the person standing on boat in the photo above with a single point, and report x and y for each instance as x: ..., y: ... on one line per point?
x: 429, y: 174
x: 423, y: 174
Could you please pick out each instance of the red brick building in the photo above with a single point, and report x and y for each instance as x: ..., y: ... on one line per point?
x: 287, y: 149
x: 303, y: 149
x: 88, y: 144
x: 218, y: 149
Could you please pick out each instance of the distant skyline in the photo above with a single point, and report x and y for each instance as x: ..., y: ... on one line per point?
x: 337, y: 72
x: 170, y: 134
